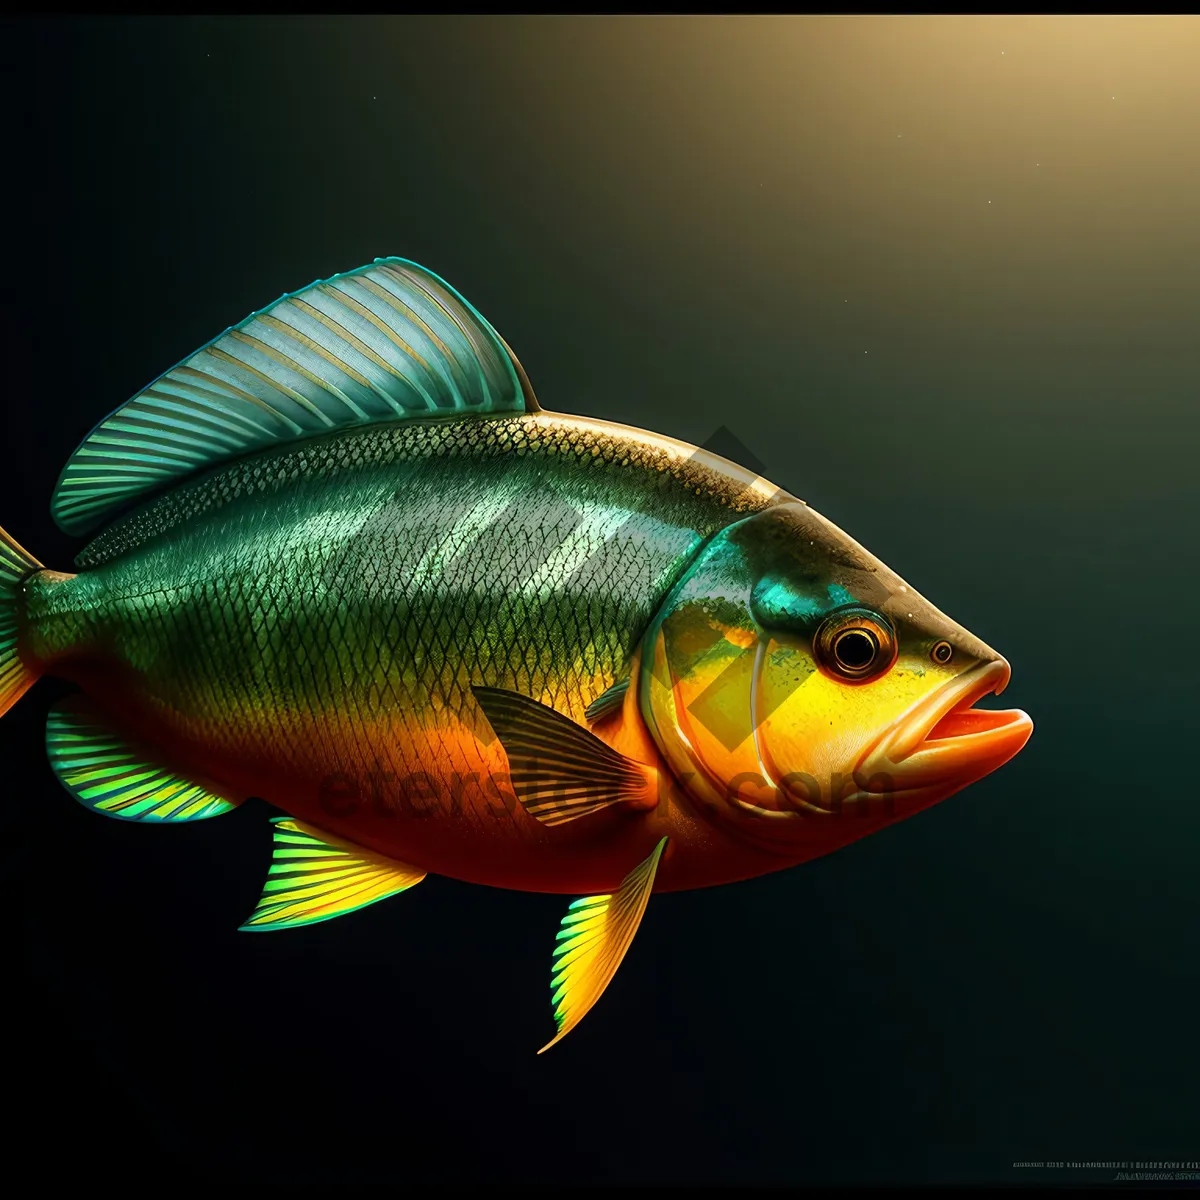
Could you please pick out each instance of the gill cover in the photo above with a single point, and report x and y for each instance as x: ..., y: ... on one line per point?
x: 780, y: 657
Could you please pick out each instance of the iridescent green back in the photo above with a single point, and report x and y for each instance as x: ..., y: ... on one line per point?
x: 303, y: 604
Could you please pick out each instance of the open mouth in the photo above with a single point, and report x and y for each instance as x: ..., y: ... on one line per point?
x: 945, y: 739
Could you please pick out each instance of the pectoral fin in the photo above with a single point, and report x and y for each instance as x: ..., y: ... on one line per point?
x: 595, y: 934
x: 609, y: 701
x: 559, y: 770
x: 312, y: 879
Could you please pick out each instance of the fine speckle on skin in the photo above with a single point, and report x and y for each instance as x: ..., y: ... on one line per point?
x: 628, y: 461
x: 329, y: 605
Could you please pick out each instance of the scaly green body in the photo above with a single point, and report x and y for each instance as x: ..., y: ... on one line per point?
x: 315, y: 616
x: 346, y: 563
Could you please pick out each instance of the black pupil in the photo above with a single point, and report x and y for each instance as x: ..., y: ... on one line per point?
x: 943, y: 652
x: 855, y: 650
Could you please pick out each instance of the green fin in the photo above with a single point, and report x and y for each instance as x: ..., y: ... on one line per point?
x: 559, y: 770
x: 107, y: 774
x: 16, y: 675
x: 593, y: 939
x: 315, y: 878
x: 608, y: 701
x: 386, y: 342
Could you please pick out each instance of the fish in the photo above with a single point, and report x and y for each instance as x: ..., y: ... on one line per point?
x: 341, y: 560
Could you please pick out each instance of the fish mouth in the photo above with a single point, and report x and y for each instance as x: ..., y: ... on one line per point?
x: 944, y: 741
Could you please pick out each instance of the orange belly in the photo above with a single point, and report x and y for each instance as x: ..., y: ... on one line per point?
x: 431, y: 794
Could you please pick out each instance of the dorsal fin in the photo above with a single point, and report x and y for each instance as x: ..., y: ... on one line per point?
x: 387, y: 342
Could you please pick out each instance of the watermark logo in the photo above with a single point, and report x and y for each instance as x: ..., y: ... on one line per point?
x: 560, y: 547
x: 417, y: 795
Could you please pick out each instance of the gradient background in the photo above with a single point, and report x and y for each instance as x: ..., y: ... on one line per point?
x: 942, y: 278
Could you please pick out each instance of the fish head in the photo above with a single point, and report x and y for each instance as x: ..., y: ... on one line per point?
x: 792, y: 674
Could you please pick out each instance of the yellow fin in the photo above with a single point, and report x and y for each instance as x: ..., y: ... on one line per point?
x: 595, y: 934
x: 313, y: 879
x: 16, y: 674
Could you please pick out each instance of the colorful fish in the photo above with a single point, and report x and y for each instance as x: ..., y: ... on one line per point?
x: 343, y: 561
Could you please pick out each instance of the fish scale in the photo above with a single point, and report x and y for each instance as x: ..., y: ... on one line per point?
x: 342, y: 560
x: 355, y: 603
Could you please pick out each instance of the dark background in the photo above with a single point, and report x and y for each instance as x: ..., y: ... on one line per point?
x: 942, y: 277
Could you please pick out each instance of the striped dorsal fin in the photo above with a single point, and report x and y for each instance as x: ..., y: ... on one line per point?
x: 387, y: 342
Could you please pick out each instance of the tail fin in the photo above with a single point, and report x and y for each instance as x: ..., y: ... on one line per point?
x: 16, y: 674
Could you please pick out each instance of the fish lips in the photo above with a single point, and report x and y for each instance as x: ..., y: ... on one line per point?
x: 937, y: 747
x: 943, y: 741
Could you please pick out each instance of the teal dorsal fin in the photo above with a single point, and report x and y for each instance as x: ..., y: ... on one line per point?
x: 388, y: 342
x: 107, y: 774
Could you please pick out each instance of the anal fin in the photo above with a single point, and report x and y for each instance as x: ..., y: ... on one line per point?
x: 559, y: 770
x: 107, y: 773
x: 315, y: 878
x: 595, y: 935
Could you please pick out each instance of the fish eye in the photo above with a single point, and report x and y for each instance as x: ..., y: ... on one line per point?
x: 854, y: 650
x: 855, y: 645
x: 942, y: 653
